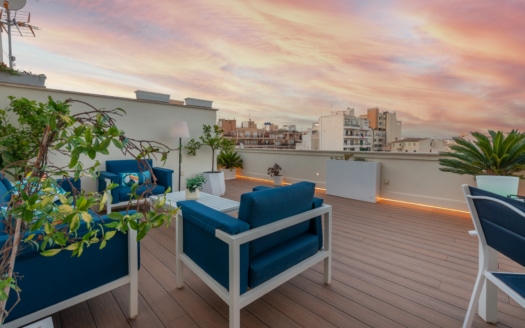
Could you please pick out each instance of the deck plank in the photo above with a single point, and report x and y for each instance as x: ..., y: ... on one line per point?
x: 394, y: 265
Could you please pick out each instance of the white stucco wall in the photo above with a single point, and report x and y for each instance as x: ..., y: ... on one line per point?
x: 144, y: 120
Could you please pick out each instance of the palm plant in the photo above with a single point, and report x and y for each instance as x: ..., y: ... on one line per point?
x: 496, y: 154
x: 229, y: 159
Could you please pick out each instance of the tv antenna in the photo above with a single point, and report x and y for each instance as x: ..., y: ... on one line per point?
x: 10, y: 16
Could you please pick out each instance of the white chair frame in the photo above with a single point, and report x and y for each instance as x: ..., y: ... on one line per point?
x: 233, y: 297
x: 486, y: 263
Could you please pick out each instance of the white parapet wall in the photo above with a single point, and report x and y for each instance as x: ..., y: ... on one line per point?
x: 144, y: 120
x: 407, y: 177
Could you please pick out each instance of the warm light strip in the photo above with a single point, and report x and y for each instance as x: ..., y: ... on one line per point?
x: 270, y: 181
x: 385, y: 199
x: 424, y: 205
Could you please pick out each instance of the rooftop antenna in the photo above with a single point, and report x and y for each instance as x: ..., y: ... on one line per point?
x: 11, y: 16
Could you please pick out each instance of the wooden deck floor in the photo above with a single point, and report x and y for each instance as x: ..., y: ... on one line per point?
x: 393, y: 266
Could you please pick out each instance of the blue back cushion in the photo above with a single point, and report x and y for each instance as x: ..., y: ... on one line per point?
x: 124, y: 165
x: 269, y: 205
x: 504, y: 229
x: 5, y: 188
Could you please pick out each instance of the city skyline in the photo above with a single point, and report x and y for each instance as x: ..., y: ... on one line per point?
x: 444, y: 67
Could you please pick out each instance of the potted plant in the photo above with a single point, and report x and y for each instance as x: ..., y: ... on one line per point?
x: 32, y: 137
x: 275, y: 172
x: 494, y: 160
x: 11, y: 75
x: 193, y: 185
x: 213, y: 138
x: 229, y: 160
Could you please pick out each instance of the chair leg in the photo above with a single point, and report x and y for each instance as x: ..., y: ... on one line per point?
x: 179, y: 281
x: 469, y: 317
x: 235, y: 316
x: 328, y: 270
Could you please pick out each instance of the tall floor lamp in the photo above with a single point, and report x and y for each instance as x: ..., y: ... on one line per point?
x: 180, y: 130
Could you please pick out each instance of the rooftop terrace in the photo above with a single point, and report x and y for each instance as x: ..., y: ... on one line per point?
x: 393, y: 266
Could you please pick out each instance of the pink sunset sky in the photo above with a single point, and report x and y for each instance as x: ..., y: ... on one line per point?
x: 444, y: 66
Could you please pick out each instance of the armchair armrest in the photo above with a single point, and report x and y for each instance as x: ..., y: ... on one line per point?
x: 198, y: 247
x: 245, y: 237
x: 164, y: 177
x: 70, y: 184
x: 103, y: 175
x: 209, y: 219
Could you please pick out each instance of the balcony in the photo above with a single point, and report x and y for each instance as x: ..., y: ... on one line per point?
x: 394, y: 266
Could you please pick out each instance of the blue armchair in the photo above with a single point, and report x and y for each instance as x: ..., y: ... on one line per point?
x: 278, y: 234
x: 126, y: 172
x: 51, y: 284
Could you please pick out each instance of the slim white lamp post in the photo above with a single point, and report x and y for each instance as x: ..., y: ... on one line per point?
x: 180, y: 130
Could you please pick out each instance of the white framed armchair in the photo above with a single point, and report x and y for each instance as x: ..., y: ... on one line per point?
x: 279, y: 233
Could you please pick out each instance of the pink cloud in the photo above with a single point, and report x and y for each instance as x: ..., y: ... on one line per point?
x: 445, y: 65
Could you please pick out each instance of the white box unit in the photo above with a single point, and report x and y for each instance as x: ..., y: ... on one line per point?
x: 353, y: 179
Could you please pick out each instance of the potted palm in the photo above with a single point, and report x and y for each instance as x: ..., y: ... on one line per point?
x: 213, y: 138
x: 494, y: 160
x: 275, y: 172
x: 193, y: 185
x: 228, y: 161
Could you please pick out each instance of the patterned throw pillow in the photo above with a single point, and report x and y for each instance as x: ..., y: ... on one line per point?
x: 128, y: 179
x: 145, y: 177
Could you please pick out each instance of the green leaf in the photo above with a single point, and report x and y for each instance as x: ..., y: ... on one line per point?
x: 51, y: 252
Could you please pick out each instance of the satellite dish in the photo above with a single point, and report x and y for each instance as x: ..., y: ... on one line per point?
x: 14, y: 4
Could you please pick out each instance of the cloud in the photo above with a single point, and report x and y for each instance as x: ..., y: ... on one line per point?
x: 442, y: 66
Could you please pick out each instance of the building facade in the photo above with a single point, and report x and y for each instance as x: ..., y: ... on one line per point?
x: 386, y: 128
x: 248, y: 135
x: 419, y: 145
x: 343, y: 131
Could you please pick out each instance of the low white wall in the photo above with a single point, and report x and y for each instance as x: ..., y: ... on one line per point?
x: 409, y: 177
x: 146, y: 120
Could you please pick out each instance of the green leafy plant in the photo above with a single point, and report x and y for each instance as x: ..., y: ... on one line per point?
x: 229, y: 159
x: 275, y: 170
x: 195, y: 182
x: 8, y: 70
x: 212, y: 137
x: 496, y: 154
x: 37, y: 214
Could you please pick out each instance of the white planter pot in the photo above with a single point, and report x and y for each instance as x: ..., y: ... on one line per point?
x: 278, y: 180
x: 501, y: 185
x: 353, y: 179
x: 214, y: 183
x: 192, y: 195
x: 229, y: 174
x: 24, y: 78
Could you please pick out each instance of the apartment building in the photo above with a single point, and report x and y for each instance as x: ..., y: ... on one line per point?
x: 248, y: 135
x: 419, y: 145
x: 343, y: 131
x: 385, y: 128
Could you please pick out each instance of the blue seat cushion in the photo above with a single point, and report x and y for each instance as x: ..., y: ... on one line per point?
x: 124, y: 192
x: 516, y: 281
x: 266, y: 206
x: 281, y: 258
x: 5, y: 190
